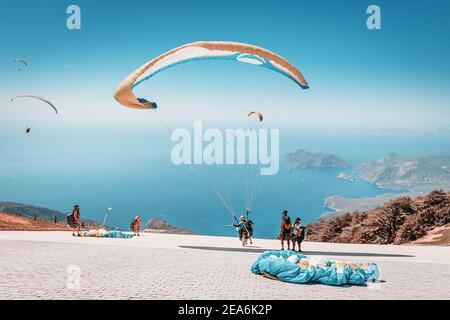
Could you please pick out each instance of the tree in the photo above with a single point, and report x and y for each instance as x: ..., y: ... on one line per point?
x: 389, y: 223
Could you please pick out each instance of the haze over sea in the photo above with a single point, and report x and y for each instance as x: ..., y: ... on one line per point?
x: 127, y: 171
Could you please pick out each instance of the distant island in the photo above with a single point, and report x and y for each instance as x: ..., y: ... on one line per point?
x: 413, y: 175
x: 304, y: 159
x: 162, y: 226
x: 416, y: 174
x: 421, y: 220
x: 346, y: 177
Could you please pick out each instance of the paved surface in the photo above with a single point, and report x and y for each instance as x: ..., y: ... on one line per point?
x: 54, y: 265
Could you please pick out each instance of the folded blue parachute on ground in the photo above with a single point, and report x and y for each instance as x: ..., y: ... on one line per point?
x: 293, y: 267
x: 118, y: 234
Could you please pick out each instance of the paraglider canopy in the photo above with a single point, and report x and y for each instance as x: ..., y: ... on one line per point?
x: 260, y: 115
x: 20, y: 62
x: 35, y: 97
x: 203, y: 50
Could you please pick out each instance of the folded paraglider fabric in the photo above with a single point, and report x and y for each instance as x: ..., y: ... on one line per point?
x: 93, y: 233
x: 118, y: 234
x: 102, y: 233
x: 293, y: 267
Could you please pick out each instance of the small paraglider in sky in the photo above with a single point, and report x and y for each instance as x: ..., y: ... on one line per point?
x: 35, y: 97
x: 28, y: 129
x: 260, y: 115
x: 20, y: 63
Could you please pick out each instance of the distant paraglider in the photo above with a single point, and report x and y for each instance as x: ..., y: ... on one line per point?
x: 20, y: 62
x: 260, y: 115
x: 28, y: 128
x: 36, y: 97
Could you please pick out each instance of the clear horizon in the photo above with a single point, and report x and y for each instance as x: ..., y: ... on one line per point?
x: 396, y: 77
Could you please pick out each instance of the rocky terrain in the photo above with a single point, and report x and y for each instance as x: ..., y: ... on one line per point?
x: 14, y: 222
x: 346, y: 177
x: 436, y: 236
x: 304, y: 159
x: 162, y: 226
x: 402, y: 220
x: 416, y: 174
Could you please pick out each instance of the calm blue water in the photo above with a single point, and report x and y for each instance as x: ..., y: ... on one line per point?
x: 133, y: 174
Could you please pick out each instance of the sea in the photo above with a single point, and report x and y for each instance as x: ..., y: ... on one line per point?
x: 131, y: 172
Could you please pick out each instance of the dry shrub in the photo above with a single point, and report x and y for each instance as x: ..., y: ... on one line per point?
x: 401, y: 220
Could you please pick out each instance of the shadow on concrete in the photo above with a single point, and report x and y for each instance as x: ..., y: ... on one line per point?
x: 321, y: 253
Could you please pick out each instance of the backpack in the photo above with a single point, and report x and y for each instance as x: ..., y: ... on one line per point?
x: 133, y: 222
x: 70, y: 219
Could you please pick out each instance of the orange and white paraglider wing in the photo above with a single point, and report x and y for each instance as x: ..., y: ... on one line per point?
x: 203, y: 50
x: 260, y: 115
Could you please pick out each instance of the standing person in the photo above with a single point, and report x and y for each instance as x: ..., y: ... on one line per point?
x: 136, y: 225
x: 249, y: 225
x: 74, y: 221
x: 242, y: 230
x: 298, y: 234
x: 285, y: 230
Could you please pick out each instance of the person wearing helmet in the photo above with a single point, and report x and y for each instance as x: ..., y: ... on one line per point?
x: 285, y: 230
x: 74, y: 221
x: 298, y: 234
x: 136, y: 225
x: 242, y: 230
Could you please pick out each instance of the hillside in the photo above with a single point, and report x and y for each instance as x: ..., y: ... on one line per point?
x: 31, y: 211
x: 13, y: 222
x: 402, y: 220
x: 38, y: 213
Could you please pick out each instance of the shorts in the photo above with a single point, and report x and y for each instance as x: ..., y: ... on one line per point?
x: 286, y: 235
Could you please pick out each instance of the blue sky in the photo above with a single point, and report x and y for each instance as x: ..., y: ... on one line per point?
x: 395, y: 77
